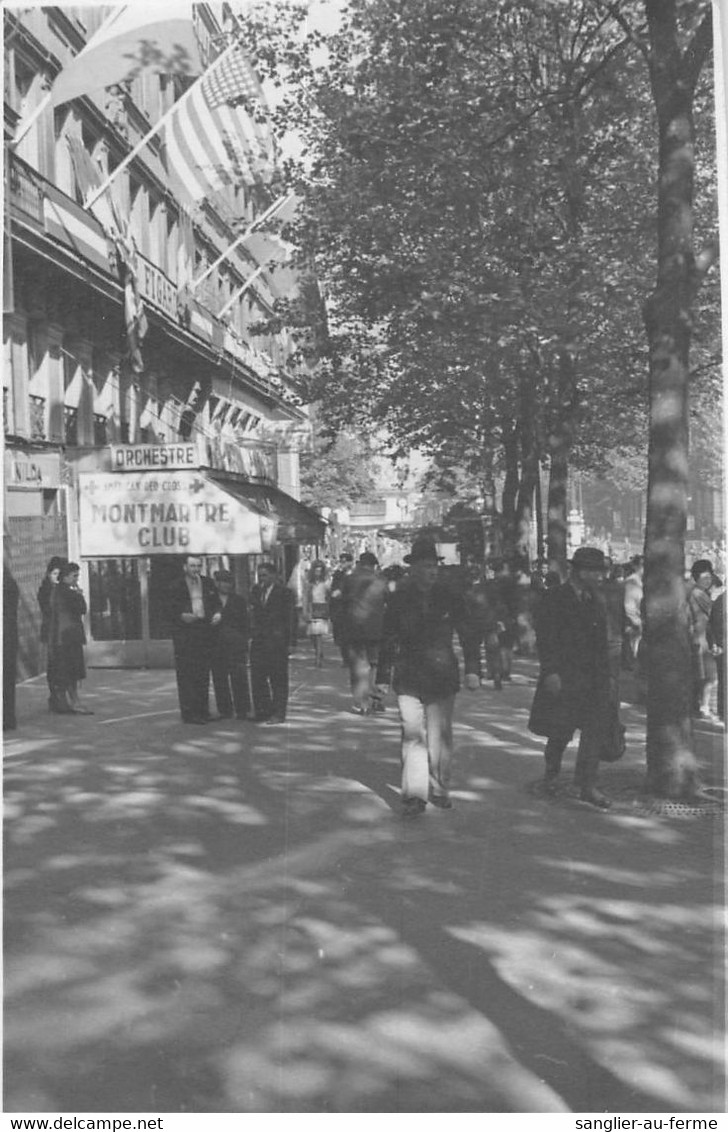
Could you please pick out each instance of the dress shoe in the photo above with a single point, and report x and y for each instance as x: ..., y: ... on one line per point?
x: 82, y: 711
x: 413, y: 807
x: 274, y: 719
x: 442, y: 801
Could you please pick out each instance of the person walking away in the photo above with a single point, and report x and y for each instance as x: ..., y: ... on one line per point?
x: 57, y: 701
x: 486, y: 616
x: 336, y: 602
x: 230, y: 650
x: 316, y: 608
x: 705, y: 672
x: 716, y: 639
x: 67, y: 636
x: 363, y: 594
x: 573, y: 690
x: 195, y: 611
x: 271, y: 625
x: 419, y: 660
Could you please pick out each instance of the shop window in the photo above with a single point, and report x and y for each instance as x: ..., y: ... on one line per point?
x: 115, y: 601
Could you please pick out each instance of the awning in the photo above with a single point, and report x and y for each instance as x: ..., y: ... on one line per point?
x: 294, y: 521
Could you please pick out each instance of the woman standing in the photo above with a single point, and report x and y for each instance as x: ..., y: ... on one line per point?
x: 67, y: 636
x: 46, y: 600
x: 316, y: 608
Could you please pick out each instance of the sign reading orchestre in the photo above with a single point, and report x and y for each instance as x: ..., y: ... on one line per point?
x: 164, y: 512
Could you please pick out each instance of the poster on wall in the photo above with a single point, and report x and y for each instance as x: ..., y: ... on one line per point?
x: 178, y: 512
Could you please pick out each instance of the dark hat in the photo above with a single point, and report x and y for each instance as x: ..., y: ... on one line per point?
x: 589, y: 558
x: 368, y: 559
x: 423, y: 550
x: 223, y: 576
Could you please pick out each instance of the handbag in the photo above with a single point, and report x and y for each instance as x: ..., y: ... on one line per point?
x: 614, y: 743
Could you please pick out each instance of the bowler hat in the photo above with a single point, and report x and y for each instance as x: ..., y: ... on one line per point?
x: 588, y: 558
x: 423, y: 550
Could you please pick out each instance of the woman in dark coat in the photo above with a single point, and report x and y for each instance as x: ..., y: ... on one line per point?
x: 67, y: 636
x: 57, y: 701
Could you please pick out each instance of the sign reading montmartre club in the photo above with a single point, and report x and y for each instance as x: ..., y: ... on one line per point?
x: 162, y: 512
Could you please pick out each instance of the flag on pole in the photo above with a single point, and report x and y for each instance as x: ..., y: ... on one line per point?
x: 220, y: 135
x: 88, y: 178
x: 150, y: 36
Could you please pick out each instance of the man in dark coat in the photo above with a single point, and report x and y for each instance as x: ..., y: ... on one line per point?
x: 195, y: 613
x: 272, y: 613
x: 420, y: 619
x: 230, y: 651
x: 573, y: 692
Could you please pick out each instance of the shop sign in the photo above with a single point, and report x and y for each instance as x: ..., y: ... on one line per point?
x: 156, y: 287
x: 40, y: 470
x: 137, y: 457
x: 175, y: 512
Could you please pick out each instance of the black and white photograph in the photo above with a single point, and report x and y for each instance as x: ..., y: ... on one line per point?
x: 364, y: 518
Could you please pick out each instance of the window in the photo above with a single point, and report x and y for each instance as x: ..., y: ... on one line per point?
x: 70, y: 422
x: 100, y: 430
x: 37, y: 418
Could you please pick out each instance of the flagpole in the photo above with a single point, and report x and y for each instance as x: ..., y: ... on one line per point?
x: 25, y: 125
x: 162, y: 121
x: 239, y: 294
x: 277, y: 204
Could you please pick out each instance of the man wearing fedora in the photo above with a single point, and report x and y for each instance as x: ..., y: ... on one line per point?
x: 573, y: 691
x: 418, y: 656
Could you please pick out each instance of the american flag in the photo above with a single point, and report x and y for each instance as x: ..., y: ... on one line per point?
x: 219, y: 135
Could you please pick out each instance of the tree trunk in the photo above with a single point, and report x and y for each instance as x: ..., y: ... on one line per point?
x: 557, y: 528
x: 510, y: 489
x: 671, y: 765
x: 524, y: 506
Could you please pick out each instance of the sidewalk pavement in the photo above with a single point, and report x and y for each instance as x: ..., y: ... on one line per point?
x: 235, y: 918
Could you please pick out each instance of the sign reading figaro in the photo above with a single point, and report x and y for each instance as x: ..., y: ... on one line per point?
x: 165, y: 512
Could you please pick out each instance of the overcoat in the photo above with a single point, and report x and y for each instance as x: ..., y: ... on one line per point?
x: 571, y: 638
x: 417, y: 653
x: 231, y: 640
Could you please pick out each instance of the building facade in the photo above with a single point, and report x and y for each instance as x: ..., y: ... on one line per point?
x: 83, y: 400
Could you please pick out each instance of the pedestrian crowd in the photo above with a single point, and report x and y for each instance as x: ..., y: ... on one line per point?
x: 397, y: 628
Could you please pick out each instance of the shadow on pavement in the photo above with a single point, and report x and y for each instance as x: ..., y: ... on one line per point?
x: 235, y: 919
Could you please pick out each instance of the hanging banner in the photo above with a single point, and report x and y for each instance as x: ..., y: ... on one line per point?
x: 122, y: 516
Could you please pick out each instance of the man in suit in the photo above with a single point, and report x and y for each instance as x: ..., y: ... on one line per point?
x: 195, y: 613
x: 230, y: 651
x: 574, y: 688
x: 272, y: 625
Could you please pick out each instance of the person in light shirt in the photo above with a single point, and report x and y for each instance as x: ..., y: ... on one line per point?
x: 195, y: 613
